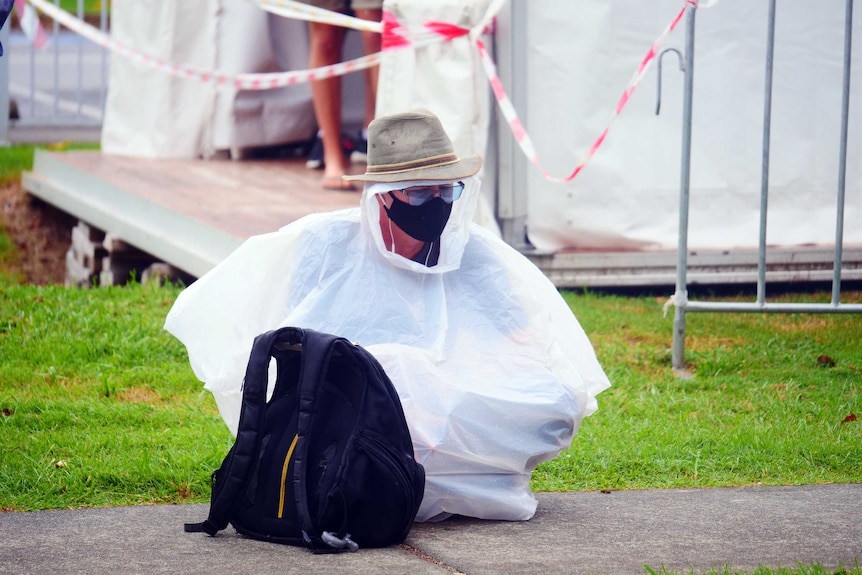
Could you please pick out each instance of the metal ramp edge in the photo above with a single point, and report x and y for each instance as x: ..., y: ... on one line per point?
x: 798, y: 264
x: 195, y: 247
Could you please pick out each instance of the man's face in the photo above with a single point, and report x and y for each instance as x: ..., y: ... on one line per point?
x: 420, y: 211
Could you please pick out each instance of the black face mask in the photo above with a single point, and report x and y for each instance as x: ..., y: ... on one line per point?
x: 425, y: 222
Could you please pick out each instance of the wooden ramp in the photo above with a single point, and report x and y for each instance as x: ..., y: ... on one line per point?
x: 192, y: 213
x: 188, y: 213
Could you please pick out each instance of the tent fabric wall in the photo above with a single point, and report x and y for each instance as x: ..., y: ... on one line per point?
x: 150, y: 113
x: 582, y: 55
x: 251, y: 40
x: 147, y: 112
x: 446, y: 78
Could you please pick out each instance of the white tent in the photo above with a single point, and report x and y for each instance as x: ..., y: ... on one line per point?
x: 570, y: 63
x: 580, y: 57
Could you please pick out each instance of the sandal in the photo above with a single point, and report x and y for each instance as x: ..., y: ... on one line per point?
x: 337, y: 184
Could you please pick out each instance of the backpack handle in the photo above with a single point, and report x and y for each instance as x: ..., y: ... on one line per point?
x: 248, y: 433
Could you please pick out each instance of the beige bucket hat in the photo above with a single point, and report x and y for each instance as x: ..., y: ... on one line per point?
x: 413, y: 146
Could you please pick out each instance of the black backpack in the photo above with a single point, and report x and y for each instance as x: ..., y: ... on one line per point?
x: 327, y: 462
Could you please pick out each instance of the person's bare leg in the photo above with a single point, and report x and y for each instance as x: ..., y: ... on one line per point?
x: 371, y: 44
x: 326, y: 42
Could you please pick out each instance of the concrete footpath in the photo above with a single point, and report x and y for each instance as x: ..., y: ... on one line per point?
x: 690, y: 530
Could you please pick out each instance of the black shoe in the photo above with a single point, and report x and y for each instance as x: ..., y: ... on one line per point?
x: 359, y: 154
x: 315, y: 156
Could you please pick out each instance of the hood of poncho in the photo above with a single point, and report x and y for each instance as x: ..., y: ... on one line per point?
x: 452, y: 241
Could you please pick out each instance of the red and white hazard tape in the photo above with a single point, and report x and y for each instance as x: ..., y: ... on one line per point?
x: 394, y: 36
x: 238, y: 81
x: 517, y: 128
x: 402, y: 36
x: 30, y: 25
x: 300, y: 11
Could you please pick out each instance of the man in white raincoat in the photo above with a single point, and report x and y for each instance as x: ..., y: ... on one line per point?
x: 493, y: 370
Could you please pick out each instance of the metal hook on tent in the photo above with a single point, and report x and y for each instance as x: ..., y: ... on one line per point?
x: 658, y: 84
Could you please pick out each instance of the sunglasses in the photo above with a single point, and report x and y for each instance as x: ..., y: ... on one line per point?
x: 418, y: 195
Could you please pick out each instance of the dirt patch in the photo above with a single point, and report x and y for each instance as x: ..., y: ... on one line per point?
x: 41, y: 233
x: 139, y: 395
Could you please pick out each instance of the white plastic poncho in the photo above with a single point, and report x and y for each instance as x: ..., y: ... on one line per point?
x: 493, y: 370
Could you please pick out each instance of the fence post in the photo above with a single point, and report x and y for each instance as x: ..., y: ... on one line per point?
x: 842, y: 155
x: 512, y: 164
x: 681, y: 295
x: 4, y: 83
x: 764, y: 159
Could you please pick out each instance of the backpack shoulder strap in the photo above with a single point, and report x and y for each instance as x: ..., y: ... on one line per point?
x: 235, y: 469
x: 317, y: 348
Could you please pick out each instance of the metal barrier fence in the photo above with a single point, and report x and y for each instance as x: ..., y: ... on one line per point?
x: 680, y: 300
x: 56, y: 91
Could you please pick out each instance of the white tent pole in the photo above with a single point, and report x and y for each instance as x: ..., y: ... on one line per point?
x: 511, y: 56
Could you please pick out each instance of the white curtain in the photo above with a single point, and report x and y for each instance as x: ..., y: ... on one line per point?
x: 582, y: 55
x: 149, y: 113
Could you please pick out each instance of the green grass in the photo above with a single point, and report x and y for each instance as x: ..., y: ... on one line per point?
x: 15, y: 159
x: 19, y: 158
x: 100, y: 406
x: 8, y: 260
x: 762, y: 408
x: 93, y: 7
